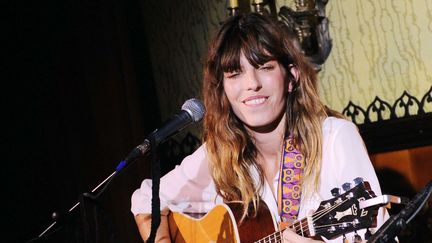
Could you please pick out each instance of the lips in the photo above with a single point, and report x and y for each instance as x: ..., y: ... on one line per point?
x: 255, y: 100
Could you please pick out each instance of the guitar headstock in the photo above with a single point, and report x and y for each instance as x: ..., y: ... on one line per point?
x: 342, y: 214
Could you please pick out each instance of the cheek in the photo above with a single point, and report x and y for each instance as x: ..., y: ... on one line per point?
x: 286, y: 85
x: 227, y: 99
x: 226, y: 91
x: 230, y: 96
x: 229, y: 91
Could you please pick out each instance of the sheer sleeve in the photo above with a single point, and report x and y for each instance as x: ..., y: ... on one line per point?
x: 187, y: 188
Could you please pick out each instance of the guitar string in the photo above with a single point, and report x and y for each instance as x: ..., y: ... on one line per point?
x: 277, y: 238
x: 295, y: 225
x: 270, y: 239
x: 321, y: 213
x: 299, y: 224
x: 320, y: 227
x: 300, y: 227
x: 329, y: 225
x: 279, y: 235
x: 317, y: 215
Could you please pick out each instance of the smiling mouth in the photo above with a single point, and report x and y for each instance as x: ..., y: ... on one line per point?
x: 256, y: 101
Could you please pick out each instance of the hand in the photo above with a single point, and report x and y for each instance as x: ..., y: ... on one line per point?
x: 291, y: 237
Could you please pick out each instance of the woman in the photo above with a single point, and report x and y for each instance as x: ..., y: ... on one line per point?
x: 267, y: 136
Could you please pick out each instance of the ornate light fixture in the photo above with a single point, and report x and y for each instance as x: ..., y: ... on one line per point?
x: 311, y: 27
x: 307, y: 22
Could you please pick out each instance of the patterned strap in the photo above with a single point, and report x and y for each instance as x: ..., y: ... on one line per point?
x: 289, y: 189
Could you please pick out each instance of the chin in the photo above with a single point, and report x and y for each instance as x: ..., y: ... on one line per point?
x: 262, y: 126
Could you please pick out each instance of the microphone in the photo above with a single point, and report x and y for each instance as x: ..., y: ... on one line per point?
x: 396, y: 223
x: 191, y: 111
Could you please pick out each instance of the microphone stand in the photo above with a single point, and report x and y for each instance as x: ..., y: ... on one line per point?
x: 132, y: 157
x: 396, y: 223
x: 192, y: 111
x: 56, y: 216
x: 155, y: 175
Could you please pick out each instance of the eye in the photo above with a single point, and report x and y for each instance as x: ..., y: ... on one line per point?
x: 267, y: 66
x: 231, y: 75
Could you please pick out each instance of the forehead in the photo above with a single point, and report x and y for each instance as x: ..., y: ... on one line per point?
x: 236, y: 55
x: 244, y: 61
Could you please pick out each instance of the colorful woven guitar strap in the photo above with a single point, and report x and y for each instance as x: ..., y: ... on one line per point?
x: 289, y: 189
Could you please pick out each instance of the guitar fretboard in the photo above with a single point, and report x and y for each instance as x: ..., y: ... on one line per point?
x: 300, y: 227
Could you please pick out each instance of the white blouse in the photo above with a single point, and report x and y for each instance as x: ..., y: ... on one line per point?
x: 189, y: 187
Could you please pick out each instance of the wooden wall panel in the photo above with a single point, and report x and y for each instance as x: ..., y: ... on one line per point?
x: 415, y: 164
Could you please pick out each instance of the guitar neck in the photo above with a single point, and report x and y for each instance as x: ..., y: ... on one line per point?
x: 301, y: 227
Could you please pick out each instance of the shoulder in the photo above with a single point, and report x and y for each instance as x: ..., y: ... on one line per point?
x: 196, y: 159
x: 341, y: 137
x: 192, y: 166
x: 199, y: 153
x: 334, y: 123
x: 332, y: 126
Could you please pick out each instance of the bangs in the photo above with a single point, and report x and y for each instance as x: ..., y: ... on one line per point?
x: 252, y: 47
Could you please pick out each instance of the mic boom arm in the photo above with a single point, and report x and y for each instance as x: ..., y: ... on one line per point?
x: 396, y: 223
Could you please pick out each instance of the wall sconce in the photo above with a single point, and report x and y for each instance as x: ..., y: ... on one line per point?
x: 233, y: 7
x: 307, y: 22
x: 310, y: 25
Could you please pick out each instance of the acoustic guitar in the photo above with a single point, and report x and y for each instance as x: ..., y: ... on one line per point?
x: 342, y: 214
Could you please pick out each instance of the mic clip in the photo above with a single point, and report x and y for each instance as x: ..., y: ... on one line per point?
x: 383, y: 200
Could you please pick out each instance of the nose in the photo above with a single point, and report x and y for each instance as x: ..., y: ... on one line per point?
x: 252, y: 81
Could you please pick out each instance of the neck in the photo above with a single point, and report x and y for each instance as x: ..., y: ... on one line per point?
x: 269, y: 142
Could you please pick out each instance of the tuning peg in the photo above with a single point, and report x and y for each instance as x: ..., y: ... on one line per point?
x: 357, y: 238
x: 346, y: 186
x: 344, y: 239
x: 368, y: 234
x: 358, y: 180
x: 335, y: 192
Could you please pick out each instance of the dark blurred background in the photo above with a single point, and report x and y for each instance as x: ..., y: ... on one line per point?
x: 79, y: 95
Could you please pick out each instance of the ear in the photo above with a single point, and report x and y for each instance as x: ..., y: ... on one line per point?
x: 296, y: 74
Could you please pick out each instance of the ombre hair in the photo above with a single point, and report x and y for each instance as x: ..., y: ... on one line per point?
x: 230, y: 148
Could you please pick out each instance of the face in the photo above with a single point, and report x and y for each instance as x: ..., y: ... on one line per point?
x: 257, y: 95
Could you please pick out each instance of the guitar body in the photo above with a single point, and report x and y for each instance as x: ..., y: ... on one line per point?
x: 334, y: 217
x: 221, y: 224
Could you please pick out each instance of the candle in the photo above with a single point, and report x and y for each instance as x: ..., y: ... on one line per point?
x: 233, y: 3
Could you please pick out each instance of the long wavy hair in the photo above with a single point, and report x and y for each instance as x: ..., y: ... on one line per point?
x: 231, y: 150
